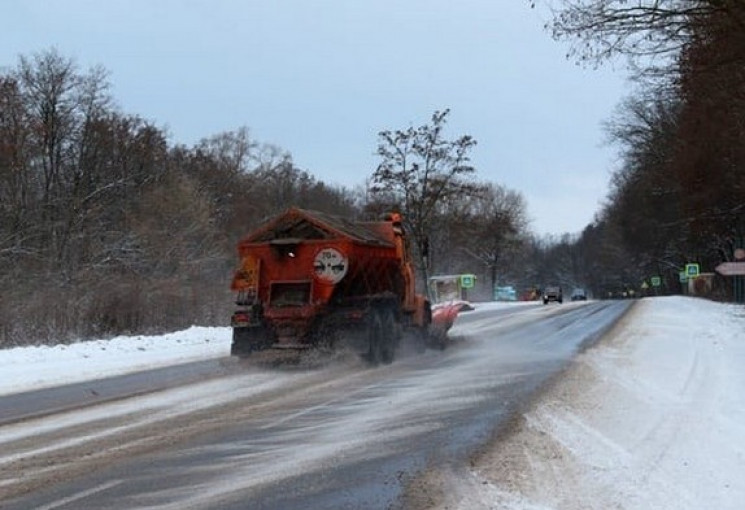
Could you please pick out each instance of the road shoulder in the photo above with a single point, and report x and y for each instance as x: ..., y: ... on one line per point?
x: 650, y: 417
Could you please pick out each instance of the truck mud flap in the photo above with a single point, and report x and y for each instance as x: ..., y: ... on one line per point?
x: 248, y: 340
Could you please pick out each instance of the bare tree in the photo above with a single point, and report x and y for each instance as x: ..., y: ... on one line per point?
x: 679, y: 194
x: 233, y: 151
x: 99, y: 213
x: 16, y: 179
x: 64, y: 107
x: 600, y: 29
x: 420, y: 171
x: 497, y: 226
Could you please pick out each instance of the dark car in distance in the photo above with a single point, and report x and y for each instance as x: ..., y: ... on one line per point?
x: 552, y: 293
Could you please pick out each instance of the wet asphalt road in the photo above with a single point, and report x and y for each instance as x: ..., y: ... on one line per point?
x: 343, y: 437
x: 44, y: 402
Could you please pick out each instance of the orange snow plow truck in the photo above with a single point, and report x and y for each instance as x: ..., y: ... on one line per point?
x: 309, y: 279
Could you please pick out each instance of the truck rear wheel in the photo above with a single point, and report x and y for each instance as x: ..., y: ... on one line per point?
x: 390, y: 332
x: 381, y: 337
x: 374, y: 338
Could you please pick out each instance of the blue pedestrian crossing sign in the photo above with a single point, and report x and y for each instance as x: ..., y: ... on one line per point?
x: 692, y: 270
x: 467, y: 281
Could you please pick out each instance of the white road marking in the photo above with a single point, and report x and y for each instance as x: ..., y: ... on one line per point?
x: 81, y: 495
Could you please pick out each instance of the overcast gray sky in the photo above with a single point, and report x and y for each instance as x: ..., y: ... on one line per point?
x: 320, y: 79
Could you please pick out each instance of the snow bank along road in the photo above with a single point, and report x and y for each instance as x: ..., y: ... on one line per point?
x: 334, y: 436
x: 653, y: 417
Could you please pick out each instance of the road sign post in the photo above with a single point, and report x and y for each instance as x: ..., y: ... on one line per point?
x: 467, y: 281
x: 736, y: 269
x: 656, y: 282
x: 739, y: 255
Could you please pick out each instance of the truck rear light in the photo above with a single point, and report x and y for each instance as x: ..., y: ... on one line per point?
x: 241, y: 317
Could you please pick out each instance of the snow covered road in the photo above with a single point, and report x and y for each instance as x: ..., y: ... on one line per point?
x: 650, y: 417
x: 339, y: 436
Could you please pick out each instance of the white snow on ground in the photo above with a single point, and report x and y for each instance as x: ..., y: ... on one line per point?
x: 651, y: 418
x: 29, y: 368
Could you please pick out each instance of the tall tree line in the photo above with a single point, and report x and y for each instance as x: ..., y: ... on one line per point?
x: 108, y: 228
x: 105, y: 227
x: 679, y: 195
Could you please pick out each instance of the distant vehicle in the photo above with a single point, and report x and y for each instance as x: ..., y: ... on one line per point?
x: 552, y: 294
x: 579, y: 295
x: 506, y: 293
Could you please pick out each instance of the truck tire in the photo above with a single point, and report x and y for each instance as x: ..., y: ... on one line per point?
x: 374, y: 338
x: 388, y: 340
